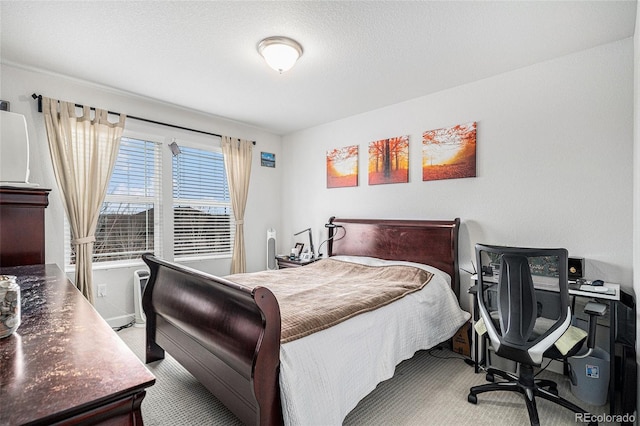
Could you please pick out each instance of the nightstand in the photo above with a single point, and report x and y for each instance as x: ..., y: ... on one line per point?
x: 285, y: 262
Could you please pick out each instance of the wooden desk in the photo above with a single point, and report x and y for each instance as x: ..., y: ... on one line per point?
x: 64, y: 364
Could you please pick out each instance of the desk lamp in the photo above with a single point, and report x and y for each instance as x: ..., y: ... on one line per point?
x: 313, y: 256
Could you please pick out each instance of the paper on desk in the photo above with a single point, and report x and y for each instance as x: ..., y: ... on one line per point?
x: 568, y: 340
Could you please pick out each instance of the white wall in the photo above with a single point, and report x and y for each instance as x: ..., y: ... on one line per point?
x: 263, y: 208
x: 554, y: 162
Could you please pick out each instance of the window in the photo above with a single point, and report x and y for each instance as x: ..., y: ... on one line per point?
x: 203, y: 222
x: 129, y: 221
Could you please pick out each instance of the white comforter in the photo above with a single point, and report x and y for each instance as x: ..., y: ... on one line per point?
x: 323, y: 376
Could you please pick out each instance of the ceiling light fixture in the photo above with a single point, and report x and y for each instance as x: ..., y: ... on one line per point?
x: 281, y: 53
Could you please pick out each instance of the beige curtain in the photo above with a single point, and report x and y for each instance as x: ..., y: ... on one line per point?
x: 237, y: 162
x: 83, y: 152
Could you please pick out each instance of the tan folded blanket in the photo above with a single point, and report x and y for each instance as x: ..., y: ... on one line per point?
x: 327, y: 292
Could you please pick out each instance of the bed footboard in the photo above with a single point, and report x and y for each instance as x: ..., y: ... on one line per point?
x: 226, y: 335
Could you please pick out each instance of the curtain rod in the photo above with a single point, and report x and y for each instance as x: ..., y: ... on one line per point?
x: 39, y: 98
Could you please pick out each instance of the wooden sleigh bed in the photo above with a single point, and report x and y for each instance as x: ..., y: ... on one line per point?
x: 229, y: 335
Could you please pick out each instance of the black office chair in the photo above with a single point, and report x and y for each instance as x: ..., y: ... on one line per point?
x: 523, y: 299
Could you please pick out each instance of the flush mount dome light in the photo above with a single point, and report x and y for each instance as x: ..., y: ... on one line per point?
x: 281, y: 53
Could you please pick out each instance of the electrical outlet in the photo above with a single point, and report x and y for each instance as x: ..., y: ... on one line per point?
x: 102, y: 290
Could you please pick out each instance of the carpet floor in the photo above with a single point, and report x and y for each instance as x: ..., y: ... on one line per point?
x: 429, y: 389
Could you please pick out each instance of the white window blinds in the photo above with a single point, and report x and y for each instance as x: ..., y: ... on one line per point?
x: 202, y: 212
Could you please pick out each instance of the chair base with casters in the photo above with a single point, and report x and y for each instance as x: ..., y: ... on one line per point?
x: 530, y: 388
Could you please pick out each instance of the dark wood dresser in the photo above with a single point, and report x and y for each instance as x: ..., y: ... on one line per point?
x: 22, y: 225
x: 65, y: 365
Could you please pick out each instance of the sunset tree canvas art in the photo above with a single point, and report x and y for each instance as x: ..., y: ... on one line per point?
x: 342, y: 167
x: 449, y: 153
x: 389, y: 161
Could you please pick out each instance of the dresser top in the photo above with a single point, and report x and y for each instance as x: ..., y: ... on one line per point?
x: 64, y: 357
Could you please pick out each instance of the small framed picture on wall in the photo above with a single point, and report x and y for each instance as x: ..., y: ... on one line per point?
x: 267, y: 159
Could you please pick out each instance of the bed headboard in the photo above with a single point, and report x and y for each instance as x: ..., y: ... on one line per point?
x: 432, y: 242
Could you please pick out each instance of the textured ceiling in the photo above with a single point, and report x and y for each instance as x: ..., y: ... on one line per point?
x: 358, y: 56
